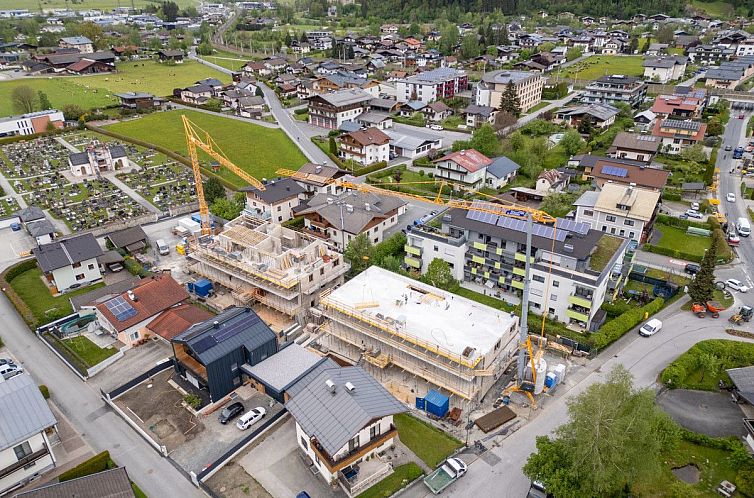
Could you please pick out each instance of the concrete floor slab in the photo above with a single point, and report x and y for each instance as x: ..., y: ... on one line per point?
x: 711, y: 413
x: 136, y: 361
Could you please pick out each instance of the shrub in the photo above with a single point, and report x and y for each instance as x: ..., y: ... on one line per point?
x: 616, y: 309
x: 301, y: 111
x: 193, y: 401
x: 674, y: 253
x: 45, y: 391
x: 134, y: 267
x: 733, y: 353
x: 97, y: 463
x: 745, y: 479
x: 369, y: 169
x: 615, y: 328
x: 20, y: 268
x: 671, y: 195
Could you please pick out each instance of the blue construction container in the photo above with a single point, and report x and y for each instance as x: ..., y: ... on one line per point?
x: 201, y: 287
x: 437, y: 404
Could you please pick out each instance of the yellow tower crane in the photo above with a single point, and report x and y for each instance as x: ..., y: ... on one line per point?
x: 198, y: 138
x: 508, y: 210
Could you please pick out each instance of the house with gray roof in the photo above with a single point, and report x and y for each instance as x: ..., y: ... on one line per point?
x: 70, y: 263
x: 113, y: 483
x: 210, y: 355
x: 81, y: 43
x: 340, y: 218
x: 97, y: 158
x: 277, y: 201
x: 601, y: 115
x: 500, y: 172
x: 132, y: 239
x: 25, y: 450
x: 344, y: 419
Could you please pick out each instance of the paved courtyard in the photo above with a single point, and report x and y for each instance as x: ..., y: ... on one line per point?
x: 711, y: 413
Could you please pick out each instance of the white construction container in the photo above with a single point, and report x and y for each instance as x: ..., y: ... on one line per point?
x: 560, y: 371
x: 190, y: 225
x: 539, y: 384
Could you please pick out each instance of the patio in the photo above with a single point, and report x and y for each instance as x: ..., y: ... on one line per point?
x: 358, y: 477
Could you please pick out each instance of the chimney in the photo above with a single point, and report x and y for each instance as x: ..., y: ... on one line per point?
x: 350, y: 388
x: 216, y: 324
x: 330, y: 386
x: 132, y: 296
x: 367, y: 206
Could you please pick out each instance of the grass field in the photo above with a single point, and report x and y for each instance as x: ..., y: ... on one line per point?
x: 84, y: 4
x: 677, y: 239
x: 428, y: 443
x: 600, y: 65
x: 88, y: 351
x: 257, y: 150
x: 228, y: 60
x: 716, y: 10
x: 95, y: 91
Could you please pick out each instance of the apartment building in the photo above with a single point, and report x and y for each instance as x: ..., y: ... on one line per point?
x: 614, y: 89
x: 588, y: 265
x: 365, y: 146
x: 625, y: 211
x: 331, y: 110
x: 413, y: 337
x: 277, y: 201
x: 709, y: 54
x: 429, y: 86
x: 677, y: 134
x: 528, y: 87
x: 269, y: 264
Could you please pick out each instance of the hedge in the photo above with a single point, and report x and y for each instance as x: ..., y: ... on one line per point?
x: 671, y: 195
x: 45, y: 391
x: 301, y: 111
x: 735, y: 354
x: 672, y: 221
x: 23, y: 309
x: 19, y: 268
x: 673, y: 253
x: 22, y: 138
x: 616, y: 309
x: 370, y: 169
x: 617, y: 327
x: 71, y: 356
x: 98, y: 463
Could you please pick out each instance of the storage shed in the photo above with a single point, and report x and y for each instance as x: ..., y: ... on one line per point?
x: 434, y: 403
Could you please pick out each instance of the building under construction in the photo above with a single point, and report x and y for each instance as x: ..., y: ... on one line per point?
x: 414, y: 337
x: 270, y: 264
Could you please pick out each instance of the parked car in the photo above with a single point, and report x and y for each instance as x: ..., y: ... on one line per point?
x: 728, y: 148
x: 736, y: 285
x: 303, y: 494
x: 693, y: 213
x: 162, y: 247
x: 695, y: 206
x: 741, y: 116
x: 650, y: 328
x: 692, y: 268
x: 250, y: 418
x: 730, y: 197
x: 537, y: 490
x: 15, y: 227
x: 9, y: 370
x: 733, y: 238
x: 436, y: 127
x: 230, y: 412
x: 6, y: 361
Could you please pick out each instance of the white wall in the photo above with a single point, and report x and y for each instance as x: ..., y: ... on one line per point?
x: 66, y: 276
x: 278, y: 213
x: 610, y: 223
x: 459, y: 174
x: 8, y: 457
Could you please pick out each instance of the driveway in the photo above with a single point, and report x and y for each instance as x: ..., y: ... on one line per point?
x: 711, y: 413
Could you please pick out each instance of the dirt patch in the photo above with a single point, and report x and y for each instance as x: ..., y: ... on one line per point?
x: 688, y: 473
x: 160, y: 412
x: 232, y: 481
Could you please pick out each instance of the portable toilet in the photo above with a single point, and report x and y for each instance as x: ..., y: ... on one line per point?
x: 437, y: 404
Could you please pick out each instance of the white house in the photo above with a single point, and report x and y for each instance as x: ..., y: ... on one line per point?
x: 551, y: 181
x: 429, y: 86
x: 665, y: 69
x: 500, y: 172
x: 70, y: 263
x: 33, y: 122
x: 80, y: 43
x: 413, y: 145
x: 468, y: 167
x: 25, y: 418
x: 277, y: 201
x: 344, y: 417
x: 97, y: 159
x: 625, y: 211
x: 365, y: 146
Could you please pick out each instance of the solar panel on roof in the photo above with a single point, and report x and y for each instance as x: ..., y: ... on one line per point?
x: 120, y: 308
x: 204, y: 344
x: 615, y: 171
x: 572, y: 226
x: 516, y: 224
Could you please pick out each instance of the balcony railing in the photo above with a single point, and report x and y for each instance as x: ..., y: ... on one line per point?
x: 353, y: 455
x: 23, y: 462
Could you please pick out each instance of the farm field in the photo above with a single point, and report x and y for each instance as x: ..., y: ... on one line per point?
x: 258, y: 150
x: 600, y: 65
x: 228, y: 60
x: 95, y: 91
x: 83, y: 4
x: 717, y: 9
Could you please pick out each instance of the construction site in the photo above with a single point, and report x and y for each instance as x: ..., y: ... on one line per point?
x: 266, y: 263
x: 413, y: 337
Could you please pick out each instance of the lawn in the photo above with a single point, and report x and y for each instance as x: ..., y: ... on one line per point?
x: 686, y: 372
x: 677, y: 239
x: 257, y: 150
x: 601, y: 65
x: 88, y: 351
x: 84, y: 4
x: 401, y: 476
x: 228, y: 60
x: 606, y: 247
x: 716, y: 10
x: 43, y: 304
x: 96, y: 91
x: 679, y: 280
x: 539, y: 106
x: 428, y: 443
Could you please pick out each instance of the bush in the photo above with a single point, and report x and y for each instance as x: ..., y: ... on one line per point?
x: 45, y: 392
x: 193, y: 401
x: 671, y: 195
x: 672, y: 221
x: 134, y: 267
x: 97, y: 463
x: 733, y: 353
x: 614, y: 310
x: 674, y: 253
x: 301, y: 111
x: 23, y: 309
x: 369, y: 169
x: 20, y: 268
x: 615, y: 328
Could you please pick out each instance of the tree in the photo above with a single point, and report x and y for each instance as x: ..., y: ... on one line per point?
x: 633, y: 45
x: 665, y: 34
x: 517, y: 141
x: 44, y: 101
x: 586, y: 125
x: 485, y: 140
x: 709, y: 364
x: 397, y: 175
x: 703, y: 285
x: 573, y: 54
x: 504, y: 119
x: 213, y: 190
x: 350, y: 53
x: 439, y: 275
x: 359, y: 253
x: 614, y: 438
x: 333, y: 146
x: 715, y: 127
x: 469, y: 47
x: 93, y: 32
x: 204, y: 48
x: 572, y: 142
x: 695, y: 153
x: 287, y: 40
x: 509, y: 101
x: 72, y: 112
x: 24, y: 99
x: 169, y: 11
x: 227, y: 209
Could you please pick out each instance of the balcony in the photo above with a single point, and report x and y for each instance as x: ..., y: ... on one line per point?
x: 577, y: 316
x: 519, y: 256
x: 584, y: 302
x: 358, y: 477
x: 23, y: 462
x: 517, y: 284
x: 353, y: 455
x: 519, y: 271
x: 478, y: 259
x: 413, y: 262
x: 480, y: 246
x: 416, y: 251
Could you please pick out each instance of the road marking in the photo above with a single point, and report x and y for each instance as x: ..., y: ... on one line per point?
x: 676, y: 262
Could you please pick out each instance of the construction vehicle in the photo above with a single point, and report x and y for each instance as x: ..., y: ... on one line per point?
x: 744, y: 315
x: 198, y: 138
x: 712, y: 307
x: 525, y: 213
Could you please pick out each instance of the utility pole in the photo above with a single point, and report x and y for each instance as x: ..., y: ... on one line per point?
x: 523, y: 327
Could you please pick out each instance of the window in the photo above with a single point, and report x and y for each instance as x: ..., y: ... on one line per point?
x: 538, y: 278
x: 555, y: 283
x: 588, y: 212
x: 134, y: 335
x: 80, y: 276
x: 91, y: 266
x: 304, y: 443
x: 22, y: 450
x: 233, y: 367
x: 76, y: 265
x: 629, y: 223
x: 321, y: 271
x: 280, y: 218
x: 553, y: 297
x: 311, y: 278
x: 552, y: 311
x: 353, y: 443
x: 278, y: 209
x: 610, y: 218
x: 435, y: 248
x: 374, y: 431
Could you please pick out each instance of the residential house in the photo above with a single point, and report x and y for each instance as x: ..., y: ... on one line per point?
x: 468, y: 167
x: 665, y: 69
x: 603, y: 170
x: 197, y: 94
x: 344, y: 418
x: 277, y: 201
x: 215, y: 84
x: 477, y: 115
x: 126, y: 315
x: 170, y: 55
x: 319, y: 178
x: 634, y: 146
x: 365, y: 146
x: 379, y: 120
x: 614, y: 89
x: 25, y: 420
x: 551, y: 181
x: 678, y: 107
x: 250, y: 107
x: 501, y: 171
x: 30, y: 123
x: 657, y: 49
x: 341, y: 217
x: 677, y: 135
x: 212, y: 355
x: 527, y: 85
x: 332, y: 109
x: 414, y: 144
x: 81, y: 43
x: 88, y: 66
x: 429, y: 86
x: 625, y: 211
x: 130, y: 240
x: 97, y: 159
x: 601, y: 115
x: 112, y: 483
x: 176, y: 320
x: 70, y: 263
x: 707, y: 54
x: 138, y: 101
x: 437, y: 111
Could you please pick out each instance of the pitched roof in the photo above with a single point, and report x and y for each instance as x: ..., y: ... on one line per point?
x: 80, y: 65
x: 603, y: 112
x: 481, y: 110
x: 358, y: 217
x: 636, y: 141
x: 177, y: 320
x: 40, y: 227
x: 30, y: 213
x: 78, y: 158
x: 134, y: 95
x: 370, y: 136
x: 66, y: 252
x: 113, y: 483
x: 696, y: 127
x: 105, y: 293
x: 132, y: 238
x: 153, y: 295
x: 470, y: 159
x: 76, y: 40
x: 211, y: 340
x: 277, y: 190
x: 605, y: 169
x: 344, y: 97
x: 334, y: 418
x: 666, y: 104
x: 23, y: 411
x: 502, y: 166
x: 641, y: 202
x: 743, y: 379
x: 171, y: 52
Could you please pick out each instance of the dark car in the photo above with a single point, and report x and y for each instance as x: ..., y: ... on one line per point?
x: 692, y: 268
x: 230, y: 412
x: 303, y: 494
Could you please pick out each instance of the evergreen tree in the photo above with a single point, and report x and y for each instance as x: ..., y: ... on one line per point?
x: 350, y: 54
x: 333, y: 146
x: 288, y: 39
x: 701, y: 288
x: 509, y: 101
x: 334, y: 51
x: 504, y: 39
x: 44, y: 101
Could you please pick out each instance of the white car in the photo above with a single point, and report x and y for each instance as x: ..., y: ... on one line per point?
x: 731, y: 197
x: 436, y: 127
x: 250, y: 418
x: 693, y: 213
x: 650, y: 328
x: 736, y: 285
x: 695, y: 206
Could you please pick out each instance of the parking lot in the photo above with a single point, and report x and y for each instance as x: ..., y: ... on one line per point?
x: 14, y: 244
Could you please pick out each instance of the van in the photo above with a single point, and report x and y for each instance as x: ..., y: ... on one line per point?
x: 162, y: 247
x: 743, y: 228
x: 9, y: 370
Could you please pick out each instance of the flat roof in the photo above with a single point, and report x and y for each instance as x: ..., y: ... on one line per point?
x: 430, y: 314
x: 285, y: 367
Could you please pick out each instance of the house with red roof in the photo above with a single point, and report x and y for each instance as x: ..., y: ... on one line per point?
x: 468, y: 167
x: 678, y: 106
x: 677, y: 134
x: 177, y: 320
